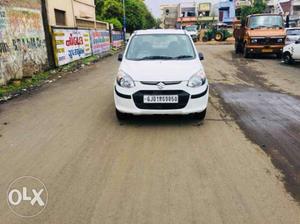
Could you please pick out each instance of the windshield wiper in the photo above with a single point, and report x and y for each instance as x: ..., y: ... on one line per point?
x: 183, y: 56
x: 259, y: 27
x: 155, y: 58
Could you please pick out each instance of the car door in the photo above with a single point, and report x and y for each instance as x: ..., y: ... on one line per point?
x: 296, y: 54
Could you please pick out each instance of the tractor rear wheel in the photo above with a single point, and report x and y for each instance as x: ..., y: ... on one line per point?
x: 219, y: 36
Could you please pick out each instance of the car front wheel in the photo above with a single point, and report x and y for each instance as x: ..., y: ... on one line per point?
x: 200, y: 116
x: 287, y: 58
x: 121, y: 116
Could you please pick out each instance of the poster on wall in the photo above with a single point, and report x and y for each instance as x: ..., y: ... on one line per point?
x: 100, y: 41
x: 71, y: 45
x: 117, y: 39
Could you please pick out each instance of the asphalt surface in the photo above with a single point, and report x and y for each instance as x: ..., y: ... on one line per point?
x: 159, y: 169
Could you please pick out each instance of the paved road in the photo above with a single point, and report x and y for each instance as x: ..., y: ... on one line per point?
x: 148, y: 170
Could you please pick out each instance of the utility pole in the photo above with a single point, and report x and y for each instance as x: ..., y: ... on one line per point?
x: 48, y: 36
x: 124, y: 21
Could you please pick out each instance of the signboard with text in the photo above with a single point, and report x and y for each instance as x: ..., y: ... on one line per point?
x: 117, y: 39
x: 204, y: 7
x: 100, y: 41
x: 71, y: 45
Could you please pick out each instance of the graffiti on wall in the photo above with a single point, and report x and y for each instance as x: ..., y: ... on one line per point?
x: 22, y: 43
x: 117, y: 39
x: 100, y: 40
x: 71, y: 45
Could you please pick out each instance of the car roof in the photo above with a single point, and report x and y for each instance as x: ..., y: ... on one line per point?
x: 293, y: 28
x: 264, y: 14
x: 160, y: 31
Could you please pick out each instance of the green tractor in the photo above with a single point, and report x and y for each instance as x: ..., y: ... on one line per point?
x: 219, y: 32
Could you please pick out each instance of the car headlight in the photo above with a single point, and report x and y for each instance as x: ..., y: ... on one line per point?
x: 253, y: 41
x: 125, y: 80
x: 197, y: 80
x: 280, y: 40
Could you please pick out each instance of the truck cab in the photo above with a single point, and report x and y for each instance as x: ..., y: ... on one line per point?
x: 260, y: 34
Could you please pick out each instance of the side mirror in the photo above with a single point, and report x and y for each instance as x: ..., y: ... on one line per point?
x: 201, y: 57
x: 120, y: 57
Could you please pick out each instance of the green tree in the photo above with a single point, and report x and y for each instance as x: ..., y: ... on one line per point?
x: 259, y: 6
x: 117, y: 24
x: 112, y: 9
x: 99, y: 5
x: 137, y: 13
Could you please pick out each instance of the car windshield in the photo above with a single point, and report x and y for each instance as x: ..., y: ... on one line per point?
x: 257, y: 22
x: 161, y: 47
x: 293, y: 32
x: 191, y: 28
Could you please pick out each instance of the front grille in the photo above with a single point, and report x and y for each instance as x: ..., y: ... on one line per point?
x: 268, y: 41
x: 183, y: 98
x: 164, y: 82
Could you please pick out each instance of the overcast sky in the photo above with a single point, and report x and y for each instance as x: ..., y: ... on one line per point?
x: 153, y: 5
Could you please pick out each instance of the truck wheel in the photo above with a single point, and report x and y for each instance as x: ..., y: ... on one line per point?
x: 219, y: 36
x: 246, y: 52
x: 287, y: 58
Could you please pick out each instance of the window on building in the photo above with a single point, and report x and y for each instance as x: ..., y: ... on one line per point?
x: 60, y: 17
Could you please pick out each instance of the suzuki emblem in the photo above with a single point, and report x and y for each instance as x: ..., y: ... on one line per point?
x: 160, y: 85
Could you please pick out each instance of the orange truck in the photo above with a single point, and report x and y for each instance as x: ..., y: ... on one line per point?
x: 260, y: 34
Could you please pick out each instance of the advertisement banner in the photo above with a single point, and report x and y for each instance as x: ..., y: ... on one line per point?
x: 100, y: 41
x: 71, y: 45
x: 117, y: 39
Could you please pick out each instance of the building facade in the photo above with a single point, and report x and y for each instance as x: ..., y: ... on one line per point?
x: 286, y: 7
x: 73, y: 13
x: 168, y: 16
x: 227, y: 11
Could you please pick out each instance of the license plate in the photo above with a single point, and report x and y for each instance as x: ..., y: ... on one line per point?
x: 161, y: 99
x: 267, y: 50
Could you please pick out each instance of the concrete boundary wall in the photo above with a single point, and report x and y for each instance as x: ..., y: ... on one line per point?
x: 22, y: 40
x: 72, y: 44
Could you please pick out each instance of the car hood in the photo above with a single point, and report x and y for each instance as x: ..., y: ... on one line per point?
x: 293, y: 37
x: 161, y: 70
x: 192, y: 32
x: 266, y: 32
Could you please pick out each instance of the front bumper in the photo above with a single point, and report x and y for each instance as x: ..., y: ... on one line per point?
x: 191, y: 100
x: 267, y: 49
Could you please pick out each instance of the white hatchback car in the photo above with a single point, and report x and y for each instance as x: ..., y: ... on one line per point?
x: 292, y: 35
x: 291, y: 52
x: 161, y: 73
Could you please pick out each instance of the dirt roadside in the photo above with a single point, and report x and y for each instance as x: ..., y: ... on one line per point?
x: 262, y: 95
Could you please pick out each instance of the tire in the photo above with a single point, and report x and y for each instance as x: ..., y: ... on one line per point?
x: 205, y: 39
x: 200, y: 116
x: 287, y: 58
x: 279, y: 55
x: 121, y: 116
x: 246, y: 52
x: 219, y: 36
